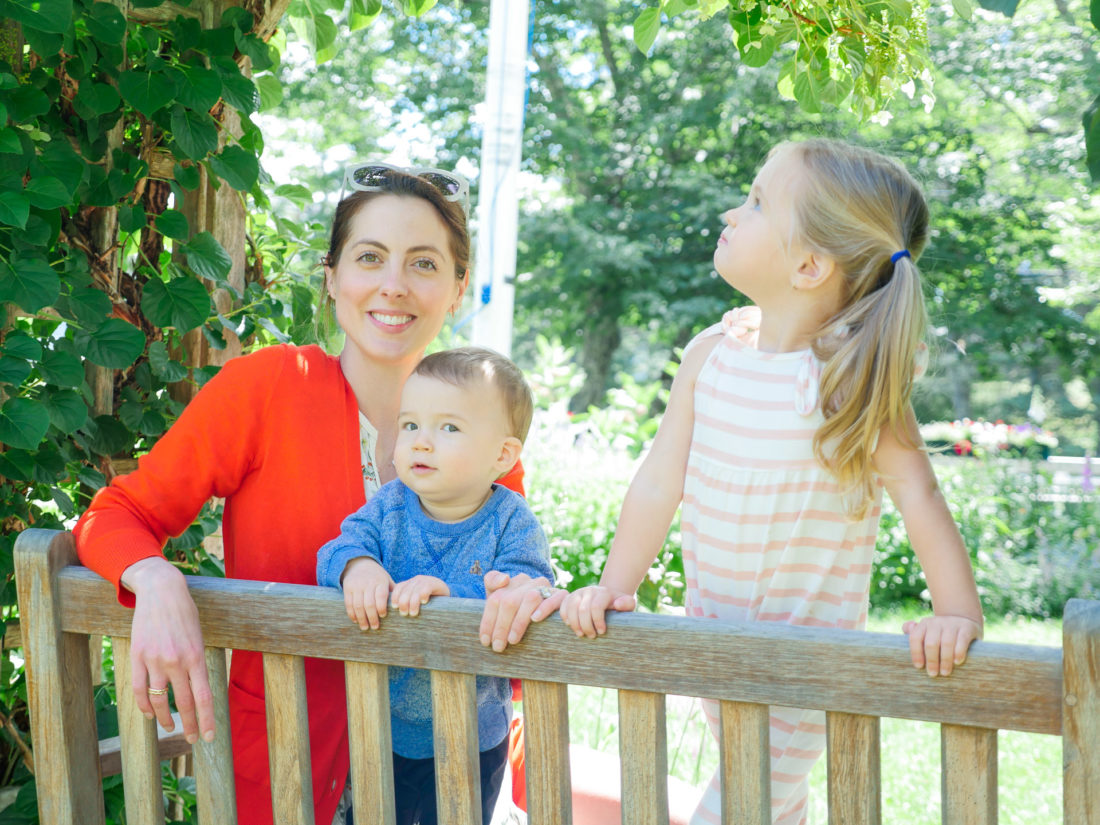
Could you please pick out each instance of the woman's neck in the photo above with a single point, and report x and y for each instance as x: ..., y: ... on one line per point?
x: 377, y: 387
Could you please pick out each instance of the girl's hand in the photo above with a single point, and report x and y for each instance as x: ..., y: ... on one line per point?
x: 367, y: 588
x: 939, y: 643
x: 511, y: 604
x: 584, y: 609
x: 166, y: 648
x: 408, y: 595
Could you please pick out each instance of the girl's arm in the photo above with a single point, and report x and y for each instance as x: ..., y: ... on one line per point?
x: 939, y: 642
x: 648, y: 508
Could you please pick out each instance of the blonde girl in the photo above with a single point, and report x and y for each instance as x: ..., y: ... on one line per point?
x: 785, y: 422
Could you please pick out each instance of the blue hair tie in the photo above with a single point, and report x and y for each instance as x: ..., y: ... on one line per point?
x: 901, y: 253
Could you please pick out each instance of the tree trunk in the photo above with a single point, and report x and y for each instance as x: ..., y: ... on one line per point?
x: 601, y: 339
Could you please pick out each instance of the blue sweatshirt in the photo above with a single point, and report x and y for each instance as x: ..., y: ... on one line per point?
x: 394, y: 530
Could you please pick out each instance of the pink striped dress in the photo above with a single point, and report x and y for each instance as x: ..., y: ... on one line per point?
x: 764, y: 534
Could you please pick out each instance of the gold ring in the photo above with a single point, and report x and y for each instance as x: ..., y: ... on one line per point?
x: 546, y: 592
x: 157, y: 691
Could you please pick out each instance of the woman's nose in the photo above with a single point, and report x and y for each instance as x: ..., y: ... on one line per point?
x: 393, y: 280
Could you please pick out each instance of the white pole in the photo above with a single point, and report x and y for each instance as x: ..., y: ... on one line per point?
x: 501, y: 148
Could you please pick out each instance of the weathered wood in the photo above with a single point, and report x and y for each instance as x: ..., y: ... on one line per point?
x: 1011, y: 687
x: 138, y: 738
x: 170, y: 745
x: 1081, y: 712
x: 457, y: 765
x: 855, y: 782
x: 546, y: 753
x: 215, y: 791
x: 643, y: 756
x: 745, y: 763
x: 59, y: 686
x: 288, y: 739
x: 370, y: 740
x: 969, y: 775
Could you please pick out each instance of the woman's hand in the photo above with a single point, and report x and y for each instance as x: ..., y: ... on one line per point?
x: 166, y: 648
x: 585, y: 609
x: 367, y: 588
x: 511, y: 604
x: 939, y: 643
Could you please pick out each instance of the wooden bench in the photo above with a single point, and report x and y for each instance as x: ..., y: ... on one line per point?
x: 855, y: 677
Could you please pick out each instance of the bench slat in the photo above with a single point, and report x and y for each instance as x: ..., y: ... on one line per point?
x: 745, y: 763
x: 1081, y: 712
x: 855, y: 779
x: 288, y: 739
x: 457, y: 765
x: 138, y: 739
x: 371, y: 742
x: 546, y: 753
x: 215, y: 789
x: 643, y: 754
x: 969, y: 775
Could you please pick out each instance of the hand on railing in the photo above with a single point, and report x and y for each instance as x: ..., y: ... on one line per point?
x: 166, y: 648
x: 939, y: 643
x: 585, y: 609
x: 367, y: 588
x: 511, y: 604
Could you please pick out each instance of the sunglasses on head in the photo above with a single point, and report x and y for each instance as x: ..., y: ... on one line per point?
x: 371, y: 177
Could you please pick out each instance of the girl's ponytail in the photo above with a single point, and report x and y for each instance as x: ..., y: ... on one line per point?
x: 868, y: 214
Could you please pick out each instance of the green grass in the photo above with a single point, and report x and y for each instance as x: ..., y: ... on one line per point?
x: 1029, y: 765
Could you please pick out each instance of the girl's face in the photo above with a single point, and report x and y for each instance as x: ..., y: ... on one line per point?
x: 394, y: 281
x: 757, y: 252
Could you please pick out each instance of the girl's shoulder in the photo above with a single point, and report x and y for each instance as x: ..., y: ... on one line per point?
x: 740, y: 324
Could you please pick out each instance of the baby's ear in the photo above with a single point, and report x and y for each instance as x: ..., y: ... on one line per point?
x: 815, y: 270
x: 509, y: 454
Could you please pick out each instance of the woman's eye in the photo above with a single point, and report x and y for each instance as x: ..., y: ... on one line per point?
x: 426, y: 264
x: 369, y: 258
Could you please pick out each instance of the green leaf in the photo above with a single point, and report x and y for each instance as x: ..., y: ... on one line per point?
x: 66, y: 409
x: 207, y: 258
x: 47, y: 193
x: 296, y: 193
x: 271, y: 91
x: 29, y: 282
x: 1005, y: 7
x: 108, y: 435
x: 362, y: 13
x: 114, y: 344
x: 89, y: 307
x: 13, y: 371
x: 14, y: 209
x: 61, y: 368
x: 237, y: 90
x: 186, y: 176
x: 239, y: 18
x: 26, y: 103
x: 19, y: 345
x: 132, y: 218
x: 237, y: 167
x: 11, y: 145
x: 54, y: 16
x: 163, y: 366
x: 256, y: 50
x: 195, y: 133
x: 758, y: 53
x: 23, y: 423
x: 106, y: 23
x: 173, y: 224
x: 146, y: 91
x: 415, y: 8
x: 1094, y: 13
x: 182, y: 303
x: 646, y: 26
x: 963, y: 8
x: 60, y: 160
x: 1091, y: 122
x: 96, y: 99
x: 202, y: 88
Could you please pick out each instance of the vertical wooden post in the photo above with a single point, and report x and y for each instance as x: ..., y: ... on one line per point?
x: 370, y: 741
x: 215, y: 791
x: 968, y: 758
x: 745, y: 760
x: 59, y: 686
x: 546, y: 753
x: 288, y: 739
x: 457, y: 763
x: 1081, y: 712
x: 138, y: 740
x: 643, y: 754
x: 855, y: 777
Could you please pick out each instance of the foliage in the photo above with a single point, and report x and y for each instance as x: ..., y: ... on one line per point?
x: 988, y: 438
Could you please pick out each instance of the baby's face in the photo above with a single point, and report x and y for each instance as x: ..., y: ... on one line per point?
x: 451, y: 444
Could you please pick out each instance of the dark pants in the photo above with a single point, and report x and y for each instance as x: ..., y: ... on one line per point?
x: 414, y: 786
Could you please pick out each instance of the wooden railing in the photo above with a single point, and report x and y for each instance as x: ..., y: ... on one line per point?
x: 855, y: 677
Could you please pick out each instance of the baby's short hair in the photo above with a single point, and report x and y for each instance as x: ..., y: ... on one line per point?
x: 465, y: 365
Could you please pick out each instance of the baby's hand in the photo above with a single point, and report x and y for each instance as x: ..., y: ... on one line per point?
x: 583, y: 610
x: 367, y: 588
x: 939, y: 643
x: 408, y: 595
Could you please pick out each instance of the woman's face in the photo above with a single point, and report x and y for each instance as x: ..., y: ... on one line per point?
x: 394, y: 280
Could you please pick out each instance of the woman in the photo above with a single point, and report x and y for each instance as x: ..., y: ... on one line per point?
x: 294, y: 440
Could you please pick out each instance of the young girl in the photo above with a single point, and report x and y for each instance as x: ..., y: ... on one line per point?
x: 784, y: 423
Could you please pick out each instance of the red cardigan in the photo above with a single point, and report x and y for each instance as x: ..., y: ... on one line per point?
x: 275, y: 433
